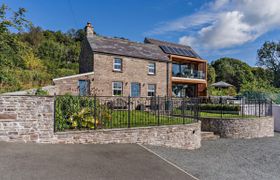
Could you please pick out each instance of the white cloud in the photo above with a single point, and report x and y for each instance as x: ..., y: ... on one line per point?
x: 183, y: 23
x: 226, y: 23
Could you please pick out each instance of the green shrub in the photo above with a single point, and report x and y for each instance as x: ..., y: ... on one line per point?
x: 76, y: 112
x: 41, y: 92
x: 219, y: 107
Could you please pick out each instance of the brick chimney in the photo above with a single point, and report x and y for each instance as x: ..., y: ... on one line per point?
x: 89, y: 30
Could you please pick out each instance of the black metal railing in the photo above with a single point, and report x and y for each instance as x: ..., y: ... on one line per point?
x: 95, y: 112
x: 102, y: 112
x: 226, y: 108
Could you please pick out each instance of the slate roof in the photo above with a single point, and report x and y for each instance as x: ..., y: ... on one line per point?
x: 170, y: 44
x: 125, y: 47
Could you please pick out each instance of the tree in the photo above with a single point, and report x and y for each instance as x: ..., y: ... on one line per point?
x: 232, y: 71
x: 211, y: 74
x: 269, y: 57
x: 263, y: 74
x: 32, y: 58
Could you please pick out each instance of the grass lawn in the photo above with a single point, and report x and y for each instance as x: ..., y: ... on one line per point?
x: 119, y: 119
x: 217, y: 114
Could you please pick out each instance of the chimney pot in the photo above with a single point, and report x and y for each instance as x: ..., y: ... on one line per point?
x: 89, y: 30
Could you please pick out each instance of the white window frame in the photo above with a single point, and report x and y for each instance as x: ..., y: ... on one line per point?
x: 152, y: 91
x: 117, y: 64
x: 153, y: 68
x: 121, y: 88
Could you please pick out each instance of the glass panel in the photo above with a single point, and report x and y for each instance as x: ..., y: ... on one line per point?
x: 117, y: 88
x: 176, y: 70
x: 151, y: 68
x: 187, y: 70
x: 118, y: 64
x: 151, y: 90
x: 184, y: 90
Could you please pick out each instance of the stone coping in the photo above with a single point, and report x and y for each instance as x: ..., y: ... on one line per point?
x: 232, y: 119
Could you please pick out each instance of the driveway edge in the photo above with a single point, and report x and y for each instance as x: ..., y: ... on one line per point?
x: 164, y: 159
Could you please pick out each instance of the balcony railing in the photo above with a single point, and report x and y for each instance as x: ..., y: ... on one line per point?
x: 188, y: 73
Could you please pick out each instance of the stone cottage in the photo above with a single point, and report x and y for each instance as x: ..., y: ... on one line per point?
x: 119, y: 67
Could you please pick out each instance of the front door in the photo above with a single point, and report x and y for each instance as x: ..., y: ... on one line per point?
x: 135, y: 89
x: 84, y: 87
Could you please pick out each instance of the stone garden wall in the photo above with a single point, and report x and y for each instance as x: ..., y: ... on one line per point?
x: 26, y: 118
x: 276, y: 115
x: 176, y: 136
x: 239, y: 128
x: 31, y: 119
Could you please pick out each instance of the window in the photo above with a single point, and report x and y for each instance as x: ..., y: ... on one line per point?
x: 151, y: 90
x: 135, y: 90
x: 84, y: 87
x: 117, y: 88
x: 117, y: 64
x: 184, y: 90
x: 151, y: 68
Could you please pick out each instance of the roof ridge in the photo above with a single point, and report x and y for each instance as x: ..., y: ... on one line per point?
x: 124, y: 39
x: 168, y: 42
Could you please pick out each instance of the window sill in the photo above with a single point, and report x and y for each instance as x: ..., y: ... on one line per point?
x: 151, y: 74
x: 118, y: 71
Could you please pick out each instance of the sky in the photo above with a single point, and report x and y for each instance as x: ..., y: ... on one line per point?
x: 214, y: 28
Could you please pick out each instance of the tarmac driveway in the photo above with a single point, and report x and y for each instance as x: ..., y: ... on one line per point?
x: 82, y: 162
x: 248, y: 159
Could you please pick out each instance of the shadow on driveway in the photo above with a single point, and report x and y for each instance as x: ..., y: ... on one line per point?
x: 81, y: 162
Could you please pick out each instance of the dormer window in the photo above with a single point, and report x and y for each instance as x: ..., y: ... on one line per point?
x: 117, y: 64
x: 152, y: 68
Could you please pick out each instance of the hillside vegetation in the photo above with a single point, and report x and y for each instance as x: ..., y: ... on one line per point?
x: 30, y: 56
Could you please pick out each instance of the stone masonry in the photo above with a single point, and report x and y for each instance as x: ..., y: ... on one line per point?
x: 176, y: 136
x: 26, y: 118
x: 31, y: 119
x: 134, y: 70
x: 239, y: 128
x: 69, y: 84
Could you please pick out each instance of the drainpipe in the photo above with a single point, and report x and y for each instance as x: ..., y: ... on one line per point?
x: 167, y: 79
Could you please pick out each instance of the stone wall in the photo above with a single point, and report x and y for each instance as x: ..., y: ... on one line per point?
x: 240, y: 128
x: 70, y: 84
x: 31, y: 118
x: 276, y: 115
x: 176, y: 136
x: 26, y: 118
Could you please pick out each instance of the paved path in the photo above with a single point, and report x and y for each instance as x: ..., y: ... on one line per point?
x: 82, y: 162
x: 256, y: 159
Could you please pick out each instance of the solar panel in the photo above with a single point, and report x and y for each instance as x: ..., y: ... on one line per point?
x: 164, y: 48
x: 177, y: 51
x: 186, y: 52
x: 181, y: 51
x: 192, y: 54
x: 171, y: 50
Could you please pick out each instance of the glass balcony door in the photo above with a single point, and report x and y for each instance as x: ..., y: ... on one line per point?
x: 184, y: 90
